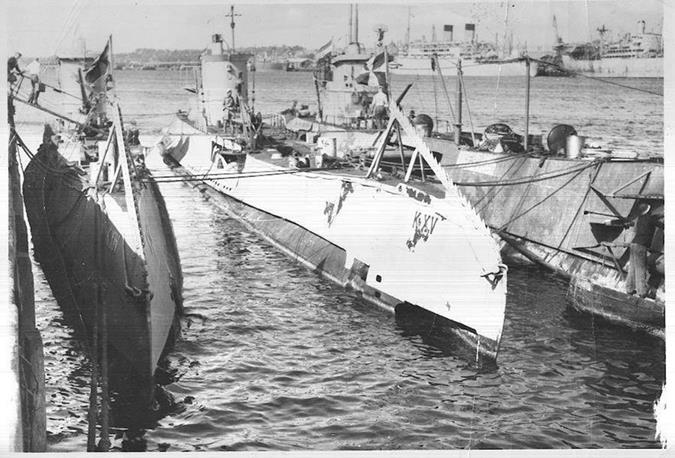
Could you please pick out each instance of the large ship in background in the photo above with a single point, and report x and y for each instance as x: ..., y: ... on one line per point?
x: 478, y: 58
x: 633, y: 55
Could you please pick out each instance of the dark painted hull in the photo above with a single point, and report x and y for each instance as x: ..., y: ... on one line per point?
x: 86, y: 257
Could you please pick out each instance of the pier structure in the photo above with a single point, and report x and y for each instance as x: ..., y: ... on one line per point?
x: 25, y: 413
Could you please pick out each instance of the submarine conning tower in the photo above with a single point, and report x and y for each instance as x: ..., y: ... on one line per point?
x: 221, y: 71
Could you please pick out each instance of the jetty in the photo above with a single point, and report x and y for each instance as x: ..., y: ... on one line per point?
x: 25, y: 414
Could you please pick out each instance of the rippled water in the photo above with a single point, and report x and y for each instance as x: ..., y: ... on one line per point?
x: 274, y: 357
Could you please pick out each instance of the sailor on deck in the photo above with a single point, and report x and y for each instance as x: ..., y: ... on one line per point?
x: 33, y: 72
x: 380, y: 105
x: 13, y: 67
x: 229, y: 107
x: 423, y: 123
x: 648, y: 233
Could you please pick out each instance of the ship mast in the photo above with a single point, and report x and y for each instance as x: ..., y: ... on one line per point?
x: 232, y: 16
x: 356, y: 23
x: 351, y: 27
x: 602, y: 31
x: 407, y: 33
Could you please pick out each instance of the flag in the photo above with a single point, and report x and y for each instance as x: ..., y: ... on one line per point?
x: 324, y: 50
x: 100, y: 67
x: 371, y: 78
x: 378, y: 60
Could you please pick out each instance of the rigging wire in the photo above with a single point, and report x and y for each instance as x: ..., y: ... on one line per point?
x: 499, y: 72
x: 70, y: 23
x: 187, y: 177
x: 543, y: 177
x: 445, y: 88
x: 535, y: 205
x: 595, y: 78
x: 468, y: 109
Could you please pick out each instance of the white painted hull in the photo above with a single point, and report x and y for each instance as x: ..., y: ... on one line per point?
x: 413, y: 66
x: 617, y: 68
x: 417, y: 252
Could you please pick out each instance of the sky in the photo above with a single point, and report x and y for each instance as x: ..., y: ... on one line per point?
x: 48, y: 27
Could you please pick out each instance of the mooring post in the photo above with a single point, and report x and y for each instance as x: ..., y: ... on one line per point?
x: 25, y: 413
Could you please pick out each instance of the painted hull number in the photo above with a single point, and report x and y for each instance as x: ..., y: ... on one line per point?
x: 423, y: 226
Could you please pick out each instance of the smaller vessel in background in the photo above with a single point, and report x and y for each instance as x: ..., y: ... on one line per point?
x: 264, y: 65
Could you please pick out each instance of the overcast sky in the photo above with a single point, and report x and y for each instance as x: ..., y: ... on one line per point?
x: 46, y: 27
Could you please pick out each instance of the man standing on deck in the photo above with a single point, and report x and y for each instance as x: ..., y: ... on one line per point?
x: 33, y: 72
x: 229, y: 107
x: 380, y: 105
x: 13, y: 68
x: 645, y: 227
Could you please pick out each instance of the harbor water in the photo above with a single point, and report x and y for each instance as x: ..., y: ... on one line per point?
x: 272, y: 357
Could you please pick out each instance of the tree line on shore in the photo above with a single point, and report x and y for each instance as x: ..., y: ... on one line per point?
x: 149, y: 55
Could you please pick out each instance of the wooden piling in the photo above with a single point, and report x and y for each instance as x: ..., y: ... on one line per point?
x: 27, y: 412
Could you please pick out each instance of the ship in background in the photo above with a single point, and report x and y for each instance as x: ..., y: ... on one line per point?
x: 634, y: 55
x: 478, y: 58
